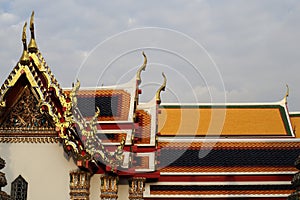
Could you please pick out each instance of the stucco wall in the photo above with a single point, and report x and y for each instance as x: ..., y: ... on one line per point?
x: 46, y: 169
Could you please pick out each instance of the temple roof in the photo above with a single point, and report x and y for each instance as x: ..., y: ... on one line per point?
x: 253, y: 119
x: 115, y: 102
x: 109, y: 129
x: 295, y: 121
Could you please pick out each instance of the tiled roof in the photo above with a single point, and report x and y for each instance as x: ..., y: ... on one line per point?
x: 112, y: 138
x: 141, y: 162
x: 114, y: 104
x: 295, y: 121
x: 146, y: 117
x: 220, y: 189
x: 228, y: 156
x: 226, y: 120
x: 229, y: 145
x: 223, y: 169
x: 144, y: 121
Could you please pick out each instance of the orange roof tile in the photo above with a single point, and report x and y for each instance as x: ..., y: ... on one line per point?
x: 295, y: 121
x: 229, y: 121
x: 144, y: 120
x: 229, y: 145
x: 233, y: 169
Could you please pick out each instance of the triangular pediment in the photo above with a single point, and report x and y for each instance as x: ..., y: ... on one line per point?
x: 22, y: 115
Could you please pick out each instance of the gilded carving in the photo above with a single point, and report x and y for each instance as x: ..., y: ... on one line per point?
x: 109, y: 187
x: 26, y: 114
x: 79, y: 185
x: 136, y: 188
x: 29, y: 140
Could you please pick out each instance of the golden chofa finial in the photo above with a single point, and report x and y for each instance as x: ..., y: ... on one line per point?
x: 287, y: 93
x: 142, y: 68
x: 24, y: 60
x: 32, y: 47
x: 161, y: 88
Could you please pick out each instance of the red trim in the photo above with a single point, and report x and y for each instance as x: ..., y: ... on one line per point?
x: 249, y: 198
x: 137, y: 149
x: 150, y: 175
x: 133, y: 149
x: 115, y: 126
x: 228, y: 178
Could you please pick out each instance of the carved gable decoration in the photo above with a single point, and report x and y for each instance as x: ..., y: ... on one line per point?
x: 25, y: 115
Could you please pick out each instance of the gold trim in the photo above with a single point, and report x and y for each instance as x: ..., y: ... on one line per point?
x: 41, y: 67
x: 29, y: 140
x: 30, y: 78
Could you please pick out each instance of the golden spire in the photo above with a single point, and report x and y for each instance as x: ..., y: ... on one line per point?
x: 142, y: 68
x: 287, y: 93
x: 161, y: 88
x: 32, y: 47
x: 24, y: 60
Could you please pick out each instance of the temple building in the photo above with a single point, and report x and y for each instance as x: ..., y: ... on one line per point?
x: 103, y: 143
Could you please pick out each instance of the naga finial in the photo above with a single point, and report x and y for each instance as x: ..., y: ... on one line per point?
x: 24, y: 36
x: 73, y: 93
x: 287, y: 93
x: 24, y: 60
x: 161, y: 88
x: 75, y: 87
x: 142, y: 68
x: 32, y: 22
x: 32, y: 47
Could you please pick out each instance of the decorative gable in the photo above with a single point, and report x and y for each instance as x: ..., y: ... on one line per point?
x: 25, y: 114
x: 93, y: 125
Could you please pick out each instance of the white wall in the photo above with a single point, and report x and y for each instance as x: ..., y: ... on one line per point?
x: 46, y: 169
x: 44, y: 166
x: 123, y: 192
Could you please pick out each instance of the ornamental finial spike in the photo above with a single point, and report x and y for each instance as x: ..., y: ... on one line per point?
x: 32, y: 47
x: 287, y: 93
x: 161, y: 88
x: 142, y: 68
x: 24, y: 60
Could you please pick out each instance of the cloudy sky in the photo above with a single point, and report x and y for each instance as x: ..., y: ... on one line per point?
x: 210, y: 51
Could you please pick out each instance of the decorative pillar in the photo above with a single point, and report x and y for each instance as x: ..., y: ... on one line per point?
x: 109, y: 187
x: 3, y: 182
x: 79, y: 185
x: 136, y: 188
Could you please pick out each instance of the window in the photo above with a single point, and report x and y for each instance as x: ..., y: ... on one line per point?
x: 19, y: 189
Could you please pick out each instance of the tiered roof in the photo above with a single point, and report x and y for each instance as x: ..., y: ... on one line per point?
x: 225, y: 151
x: 214, y: 151
x: 99, y: 127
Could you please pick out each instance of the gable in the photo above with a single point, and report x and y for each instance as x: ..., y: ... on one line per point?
x: 22, y: 116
